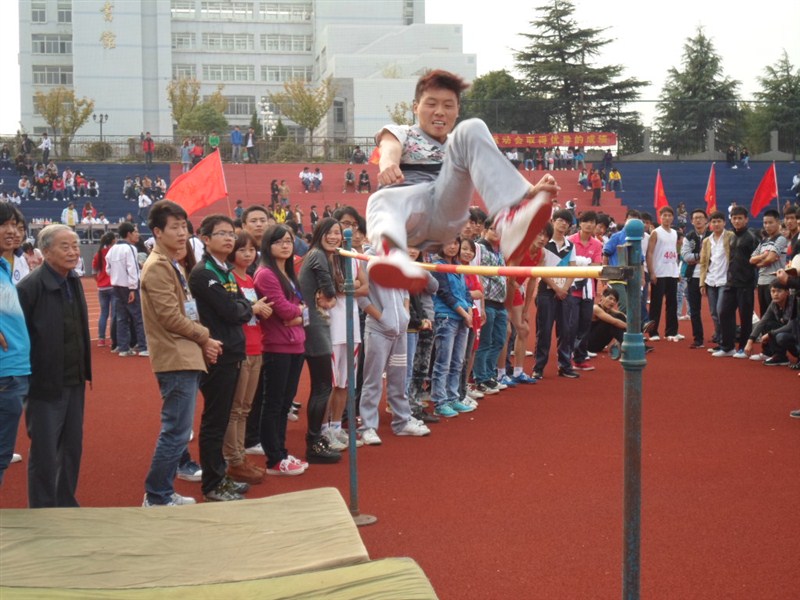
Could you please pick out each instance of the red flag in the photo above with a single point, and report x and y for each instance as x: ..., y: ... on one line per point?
x: 375, y: 157
x: 660, y: 199
x: 200, y: 187
x: 711, y: 191
x: 767, y: 191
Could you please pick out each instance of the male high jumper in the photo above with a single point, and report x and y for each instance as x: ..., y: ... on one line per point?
x: 427, y: 176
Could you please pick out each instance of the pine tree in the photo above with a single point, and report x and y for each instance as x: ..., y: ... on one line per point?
x: 559, y: 65
x: 695, y: 98
x: 500, y: 100
x: 780, y: 103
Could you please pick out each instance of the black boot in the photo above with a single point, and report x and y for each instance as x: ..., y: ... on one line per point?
x: 318, y: 451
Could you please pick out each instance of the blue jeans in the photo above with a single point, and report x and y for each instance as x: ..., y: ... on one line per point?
x: 107, y: 305
x: 128, y: 312
x: 13, y: 389
x: 450, y: 338
x: 179, y: 395
x: 493, y: 338
x: 714, y: 294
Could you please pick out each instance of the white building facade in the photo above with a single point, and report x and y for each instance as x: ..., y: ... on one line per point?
x: 123, y: 53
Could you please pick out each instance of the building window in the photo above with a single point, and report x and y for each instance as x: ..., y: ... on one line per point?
x: 238, y: 105
x: 228, y: 73
x: 54, y: 43
x: 65, y: 12
x: 52, y: 75
x: 227, y: 10
x: 283, y: 74
x: 183, y: 41
x: 180, y: 71
x: 286, y: 43
x: 182, y: 9
x: 38, y: 12
x: 338, y: 112
x: 228, y: 41
x: 284, y: 11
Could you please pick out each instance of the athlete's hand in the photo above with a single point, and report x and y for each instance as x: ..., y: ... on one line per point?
x: 546, y: 184
x: 391, y: 175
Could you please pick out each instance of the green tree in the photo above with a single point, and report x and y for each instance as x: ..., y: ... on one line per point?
x: 780, y: 103
x: 558, y: 65
x: 203, y: 119
x: 255, y: 123
x: 501, y: 101
x: 695, y: 98
x: 183, y: 96
x: 217, y: 100
x: 64, y: 113
x: 402, y: 113
x: 303, y: 104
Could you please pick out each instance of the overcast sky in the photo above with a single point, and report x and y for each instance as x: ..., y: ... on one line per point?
x: 648, y: 38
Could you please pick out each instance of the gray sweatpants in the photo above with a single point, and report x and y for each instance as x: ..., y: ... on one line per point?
x: 384, y: 355
x: 435, y: 212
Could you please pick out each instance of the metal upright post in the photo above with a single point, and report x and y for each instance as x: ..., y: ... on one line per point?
x: 633, y: 362
x: 349, y: 290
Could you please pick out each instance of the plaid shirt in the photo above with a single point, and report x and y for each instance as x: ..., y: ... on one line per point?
x: 494, y: 287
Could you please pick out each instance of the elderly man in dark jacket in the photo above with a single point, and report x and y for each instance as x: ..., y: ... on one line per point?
x: 55, y: 313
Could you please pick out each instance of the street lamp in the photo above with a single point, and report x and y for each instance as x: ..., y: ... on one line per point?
x: 268, y: 121
x: 100, y: 119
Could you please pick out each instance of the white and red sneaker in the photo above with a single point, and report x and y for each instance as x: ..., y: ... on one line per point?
x: 394, y: 269
x: 286, y: 467
x: 519, y: 225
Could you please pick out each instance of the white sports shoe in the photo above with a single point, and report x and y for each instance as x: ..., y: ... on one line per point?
x: 15, y: 458
x: 370, y: 437
x: 413, y: 427
x: 257, y: 449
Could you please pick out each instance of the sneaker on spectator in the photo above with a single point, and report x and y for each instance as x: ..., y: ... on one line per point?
x: 101, y: 343
x: 568, y: 373
x: 15, y: 458
x: 758, y: 357
x: 777, y: 361
x: 537, y: 375
x: 144, y: 353
x: 507, y: 381
x: 714, y: 349
x: 591, y: 354
x: 343, y: 436
x: 458, y: 406
x: 147, y: 504
x: 485, y: 389
x: 795, y: 414
x: 189, y: 471
x: 496, y: 384
x: 114, y: 350
x: 413, y: 428
x: 467, y: 401
x: 370, y: 437
x: 672, y: 338
x: 696, y: 345
x: 257, y: 449
x: 582, y: 366
x: 298, y: 461
x: 125, y: 353
x: 333, y: 441
x: 655, y: 338
x: 679, y: 336
x: 522, y: 378
x: 446, y: 411
x: 237, y: 486
x: 286, y: 467
x: 294, y: 412
x: 723, y: 353
x: 421, y: 414
x: 474, y: 393
x: 179, y: 500
x: 224, y: 492
x: 320, y: 452
x: 739, y: 354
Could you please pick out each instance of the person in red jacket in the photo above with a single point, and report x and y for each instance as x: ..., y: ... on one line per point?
x: 597, y: 186
x: 148, y: 147
x: 105, y: 291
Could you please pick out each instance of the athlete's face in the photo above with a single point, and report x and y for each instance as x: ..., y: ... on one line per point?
x: 437, y: 111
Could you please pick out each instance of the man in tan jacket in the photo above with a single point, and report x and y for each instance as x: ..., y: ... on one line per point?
x: 179, y: 348
x: 714, y: 256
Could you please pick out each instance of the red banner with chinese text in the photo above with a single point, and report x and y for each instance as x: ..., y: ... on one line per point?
x: 547, y: 140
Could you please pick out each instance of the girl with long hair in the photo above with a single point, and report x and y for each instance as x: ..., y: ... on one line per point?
x: 282, y: 345
x: 105, y: 290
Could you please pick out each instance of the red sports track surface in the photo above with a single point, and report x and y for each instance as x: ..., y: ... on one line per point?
x: 523, y: 498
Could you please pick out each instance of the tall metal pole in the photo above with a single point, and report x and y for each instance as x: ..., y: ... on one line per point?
x: 349, y: 291
x: 633, y: 362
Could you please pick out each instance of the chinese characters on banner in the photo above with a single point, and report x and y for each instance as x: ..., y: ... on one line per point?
x: 546, y: 140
